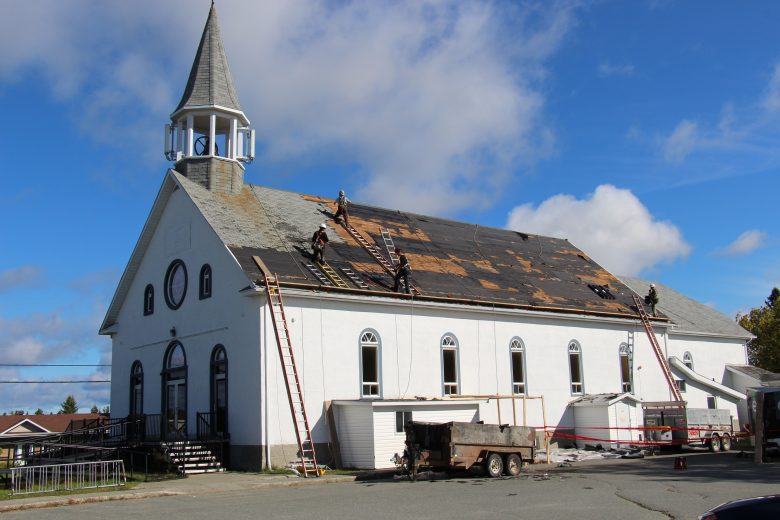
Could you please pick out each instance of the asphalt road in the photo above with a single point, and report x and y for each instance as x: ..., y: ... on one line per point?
x: 633, y: 489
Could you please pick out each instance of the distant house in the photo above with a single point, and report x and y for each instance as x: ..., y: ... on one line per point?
x: 17, y: 430
x: 497, y: 312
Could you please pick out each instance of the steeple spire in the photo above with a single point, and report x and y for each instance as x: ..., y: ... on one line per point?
x: 210, y: 82
x: 209, y: 135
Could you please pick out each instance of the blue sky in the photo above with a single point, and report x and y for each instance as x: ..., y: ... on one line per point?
x: 645, y: 132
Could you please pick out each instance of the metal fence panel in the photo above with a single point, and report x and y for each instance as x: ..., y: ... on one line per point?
x: 26, y: 480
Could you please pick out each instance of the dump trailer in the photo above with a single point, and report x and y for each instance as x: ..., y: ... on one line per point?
x: 674, y: 424
x: 497, y: 448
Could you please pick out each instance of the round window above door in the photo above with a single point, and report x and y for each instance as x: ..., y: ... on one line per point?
x: 175, y: 284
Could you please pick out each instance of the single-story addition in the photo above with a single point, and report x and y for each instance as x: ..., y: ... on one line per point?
x: 490, y: 311
x: 16, y: 431
x: 607, y: 420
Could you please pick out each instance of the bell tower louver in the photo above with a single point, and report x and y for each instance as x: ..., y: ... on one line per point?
x: 209, y: 138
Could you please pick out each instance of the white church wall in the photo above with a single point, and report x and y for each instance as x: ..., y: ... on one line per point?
x: 326, y: 332
x: 225, y: 318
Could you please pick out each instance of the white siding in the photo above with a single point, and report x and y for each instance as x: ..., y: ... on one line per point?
x: 356, y: 435
x: 591, y: 421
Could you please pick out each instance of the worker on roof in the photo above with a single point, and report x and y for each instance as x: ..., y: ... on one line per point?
x: 652, y: 298
x: 341, y: 207
x: 318, y: 241
x: 402, y: 270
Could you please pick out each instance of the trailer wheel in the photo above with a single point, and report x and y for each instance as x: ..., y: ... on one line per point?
x: 513, y: 464
x: 725, y: 442
x: 715, y: 442
x: 494, y: 465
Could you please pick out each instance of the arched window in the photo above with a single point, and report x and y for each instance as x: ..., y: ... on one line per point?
x: 219, y: 393
x: 204, y: 290
x: 626, y: 378
x: 688, y: 360
x: 175, y: 390
x: 148, y: 300
x: 575, y: 368
x: 369, y: 364
x: 517, y: 353
x: 449, y: 365
x: 175, y: 284
x: 136, y: 389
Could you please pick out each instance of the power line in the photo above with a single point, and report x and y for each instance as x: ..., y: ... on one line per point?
x: 48, y: 365
x: 48, y: 382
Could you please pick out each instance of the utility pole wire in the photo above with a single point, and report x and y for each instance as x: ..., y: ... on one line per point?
x: 48, y: 382
x: 48, y: 365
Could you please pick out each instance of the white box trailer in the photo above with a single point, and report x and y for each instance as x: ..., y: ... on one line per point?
x: 672, y: 423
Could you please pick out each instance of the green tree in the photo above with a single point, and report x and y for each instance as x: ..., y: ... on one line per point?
x: 69, y: 405
x: 38, y: 412
x: 94, y: 409
x: 764, y: 323
x: 106, y: 410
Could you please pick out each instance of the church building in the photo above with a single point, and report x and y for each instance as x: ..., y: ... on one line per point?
x: 497, y: 325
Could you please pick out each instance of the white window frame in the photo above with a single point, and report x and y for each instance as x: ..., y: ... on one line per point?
x: 577, y: 387
x: 369, y: 338
x: 406, y: 416
x: 449, y: 343
x: 516, y: 346
x: 625, y: 351
x: 688, y: 360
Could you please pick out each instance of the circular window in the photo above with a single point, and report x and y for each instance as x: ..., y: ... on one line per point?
x: 175, y: 284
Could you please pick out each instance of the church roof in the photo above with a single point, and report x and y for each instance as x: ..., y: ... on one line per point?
x: 451, y: 261
x: 687, y: 315
x: 210, y: 82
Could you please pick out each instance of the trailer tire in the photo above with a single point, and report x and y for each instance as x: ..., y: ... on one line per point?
x: 494, y: 465
x: 725, y: 442
x: 513, y: 464
x: 715, y: 442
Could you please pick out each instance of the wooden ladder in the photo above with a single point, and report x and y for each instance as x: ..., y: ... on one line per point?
x: 374, y: 252
x: 657, y: 349
x: 291, y: 379
x: 324, y: 280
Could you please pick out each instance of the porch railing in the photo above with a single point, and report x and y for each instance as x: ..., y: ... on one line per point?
x: 210, y: 427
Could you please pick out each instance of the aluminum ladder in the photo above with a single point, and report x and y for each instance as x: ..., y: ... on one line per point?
x: 389, y: 245
x: 657, y: 349
x: 324, y: 280
x: 374, y: 252
x: 291, y: 379
x: 332, y: 275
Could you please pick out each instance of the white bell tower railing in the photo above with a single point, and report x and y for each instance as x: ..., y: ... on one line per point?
x: 182, y: 134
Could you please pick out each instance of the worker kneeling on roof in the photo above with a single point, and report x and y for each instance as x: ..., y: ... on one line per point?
x: 341, y: 208
x: 318, y: 241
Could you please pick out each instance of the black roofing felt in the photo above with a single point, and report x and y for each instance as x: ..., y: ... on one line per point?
x: 453, y: 260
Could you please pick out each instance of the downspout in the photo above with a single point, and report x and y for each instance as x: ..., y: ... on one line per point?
x: 666, y: 357
x: 264, y: 350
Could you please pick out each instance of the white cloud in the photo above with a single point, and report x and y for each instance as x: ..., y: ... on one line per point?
x: 607, y: 69
x: 434, y: 102
x: 745, y: 243
x: 682, y: 141
x: 772, y: 95
x: 611, y: 225
x: 25, y: 276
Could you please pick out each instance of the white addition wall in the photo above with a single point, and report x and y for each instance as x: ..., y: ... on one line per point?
x: 367, y: 429
x: 227, y: 318
x: 621, y: 417
x: 325, y: 332
x: 710, y: 356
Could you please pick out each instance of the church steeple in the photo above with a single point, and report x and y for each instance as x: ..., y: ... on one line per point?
x: 209, y: 136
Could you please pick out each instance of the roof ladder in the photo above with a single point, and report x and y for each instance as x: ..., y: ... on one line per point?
x: 389, y: 245
x: 291, y: 379
x: 352, y: 275
x: 333, y: 275
x: 324, y: 280
x: 374, y: 252
x: 657, y: 348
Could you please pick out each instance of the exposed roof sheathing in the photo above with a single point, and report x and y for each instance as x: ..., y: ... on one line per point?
x: 450, y: 260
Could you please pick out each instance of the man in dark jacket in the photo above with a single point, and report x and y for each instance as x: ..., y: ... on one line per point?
x: 402, y: 270
x: 318, y: 241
